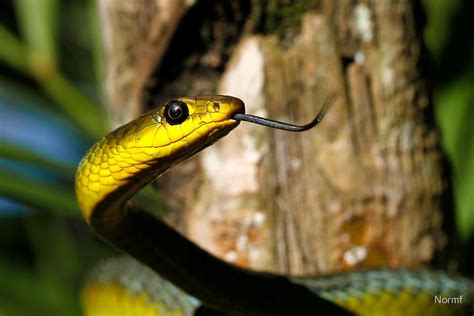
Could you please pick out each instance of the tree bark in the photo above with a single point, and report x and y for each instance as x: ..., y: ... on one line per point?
x: 135, y: 37
x: 364, y: 189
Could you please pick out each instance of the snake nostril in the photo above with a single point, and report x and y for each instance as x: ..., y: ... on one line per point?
x: 217, y: 107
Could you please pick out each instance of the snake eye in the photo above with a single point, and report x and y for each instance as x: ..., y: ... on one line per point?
x: 176, y: 112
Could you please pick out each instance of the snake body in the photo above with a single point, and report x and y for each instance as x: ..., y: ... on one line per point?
x: 133, y: 155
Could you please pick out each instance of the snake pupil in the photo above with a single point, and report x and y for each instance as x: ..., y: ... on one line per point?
x: 176, y: 112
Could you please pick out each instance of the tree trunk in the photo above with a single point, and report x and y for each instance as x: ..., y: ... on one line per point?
x: 365, y: 188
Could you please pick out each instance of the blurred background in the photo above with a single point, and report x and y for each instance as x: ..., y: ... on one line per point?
x: 52, y: 109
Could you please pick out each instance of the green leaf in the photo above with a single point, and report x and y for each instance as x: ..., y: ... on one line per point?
x: 38, y: 194
x: 76, y: 106
x: 20, y: 154
x: 57, y: 259
x: 27, y: 97
x: 98, y: 52
x: 38, y: 21
x: 88, y: 116
x: 24, y: 292
x: 454, y: 114
x: 12, y: 51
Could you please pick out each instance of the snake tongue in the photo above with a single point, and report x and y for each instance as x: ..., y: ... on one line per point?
x: 286, y: 126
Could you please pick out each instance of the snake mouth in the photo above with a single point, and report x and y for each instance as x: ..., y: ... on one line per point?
x: 236, y: 113
x: 237, y: 107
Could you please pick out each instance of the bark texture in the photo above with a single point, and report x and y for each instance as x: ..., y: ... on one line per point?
x: 365, y: 188
x: 135, y: 37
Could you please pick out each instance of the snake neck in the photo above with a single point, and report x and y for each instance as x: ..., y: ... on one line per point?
x: 211, y: 280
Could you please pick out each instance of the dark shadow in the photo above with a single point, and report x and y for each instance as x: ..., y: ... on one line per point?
x: 206, y: 311
x: 458, y: 51
x: 427, y: 69
x: 211, y: 28
x: 466, y: 256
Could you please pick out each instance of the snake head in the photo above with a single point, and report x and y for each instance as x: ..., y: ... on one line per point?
x: 198, y: 121
x: 137, y: 152
x: 219, y: 107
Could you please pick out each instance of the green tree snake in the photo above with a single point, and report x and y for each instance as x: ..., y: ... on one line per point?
x: 133, y: 155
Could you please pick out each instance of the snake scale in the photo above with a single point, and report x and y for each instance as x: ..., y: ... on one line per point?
x: 133, y: 155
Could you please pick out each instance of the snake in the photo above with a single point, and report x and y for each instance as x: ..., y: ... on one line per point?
x: 133, y: 155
